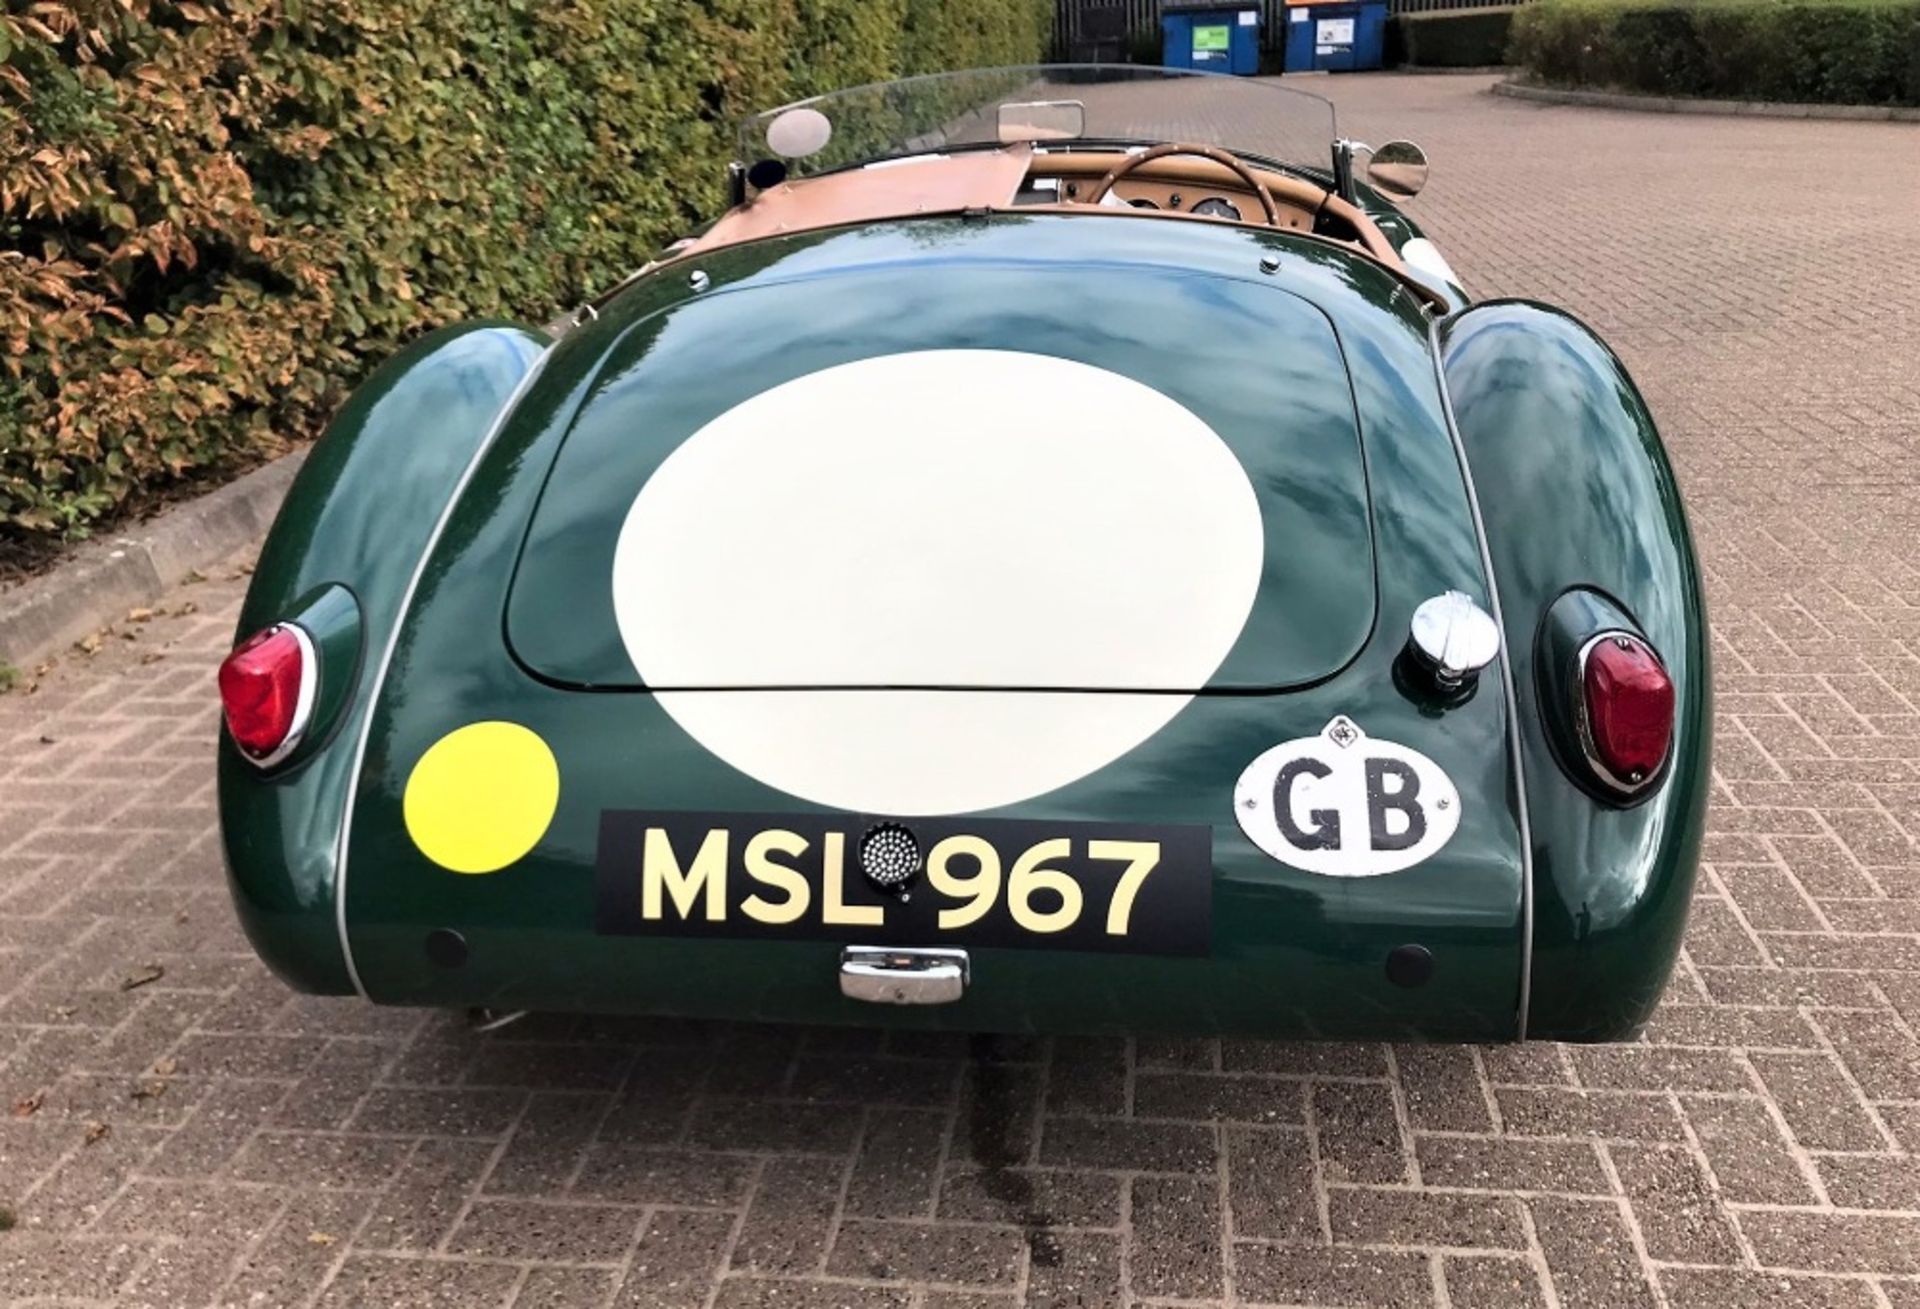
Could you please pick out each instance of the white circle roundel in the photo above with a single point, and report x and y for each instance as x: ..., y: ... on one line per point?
x: 923, y: 562
x: 1345, y: 804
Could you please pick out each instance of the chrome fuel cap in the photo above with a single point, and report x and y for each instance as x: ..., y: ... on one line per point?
x: 1452, y: 639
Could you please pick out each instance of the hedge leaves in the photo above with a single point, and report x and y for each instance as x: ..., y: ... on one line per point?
x: 216, y: 215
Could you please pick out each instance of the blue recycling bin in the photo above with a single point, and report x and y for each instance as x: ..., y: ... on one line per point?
x: 1335, y: 38
x: 1212, y: 37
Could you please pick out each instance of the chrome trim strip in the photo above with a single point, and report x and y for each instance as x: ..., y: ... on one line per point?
x: 302, y: 702
x: 386, y: 661
x: 1506, y: 684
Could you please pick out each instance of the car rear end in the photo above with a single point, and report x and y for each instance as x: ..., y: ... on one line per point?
x: 954, y: 625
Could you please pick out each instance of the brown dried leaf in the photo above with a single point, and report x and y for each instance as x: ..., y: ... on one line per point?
x: 141, y: 615
x: 29, y: 1105
x: 142, y: 976
x: 97, y: 1132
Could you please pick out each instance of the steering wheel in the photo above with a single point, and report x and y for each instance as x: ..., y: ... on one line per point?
x: 1221, y: 157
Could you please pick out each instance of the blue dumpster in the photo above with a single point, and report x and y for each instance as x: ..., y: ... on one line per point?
x: 1338, y: 38
x: 1210, y: 36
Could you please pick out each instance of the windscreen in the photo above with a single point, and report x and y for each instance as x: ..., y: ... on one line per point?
x: 1044, y: 105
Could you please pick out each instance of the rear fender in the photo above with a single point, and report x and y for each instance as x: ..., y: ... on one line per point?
x: 356, y: 520
x: 1577, y: 494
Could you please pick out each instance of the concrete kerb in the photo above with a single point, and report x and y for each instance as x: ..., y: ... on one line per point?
x: 106, y: 578
x: 1552, y: 95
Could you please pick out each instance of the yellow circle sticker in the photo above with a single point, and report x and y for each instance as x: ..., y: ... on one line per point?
x: 481, y: 797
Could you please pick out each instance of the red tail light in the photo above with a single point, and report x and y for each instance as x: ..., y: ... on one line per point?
x: 1626, y: 703
x: 266, y: 689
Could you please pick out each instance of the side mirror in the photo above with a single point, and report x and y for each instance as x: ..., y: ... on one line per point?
x: 1398, y: 169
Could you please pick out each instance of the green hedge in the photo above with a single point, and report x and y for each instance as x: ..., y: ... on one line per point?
x: 216, y: 215
x: 1863, y: 52
x: 1452, y: 38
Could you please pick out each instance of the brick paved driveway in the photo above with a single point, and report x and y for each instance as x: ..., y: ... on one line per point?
x: 207, y: 1136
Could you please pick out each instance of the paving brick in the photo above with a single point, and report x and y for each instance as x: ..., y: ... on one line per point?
x: 564, y: 1288
x: 1648, y: 1068
x: 677, y: 1261
x: 1127, y: 1143
x: 1211, y: 1096
x: 630, y: 1175
x: 533, y: 1230
x: 1871, y: 1181
x: 1364, y: 1216
x: 300, y: 1251
x: 1723, y: 1025
x: 92, y: 1176
x: 762, y: 1293
x: 1273, y: 1185
x: 421, y: 1204
x: 554, y: 1067
x: 1821, y: 1106
x: 1750, y: 1158
x: 1443, y: 1089
x: 1176, y: 1241
x: 1032, y: 1197
x: 876, y: 1080
x: 306, y: 1159
x: 997, y: 1124
x: 1302, y: 1275
x: 331, y: 1091
x: 1789, y: 986
x: 439, y: 1111
x: 1358, y: 1133
x: 897, y: 1169
x: 1833, y: 1242
x: 1489, y: 1282
x: 1884, y: 1060
x: 179, y: 1273
x: 1530, y: 1112
x: 423, y: 1283
x: 1088, y: 1076
x: 1714, y: 1288
x: 550, y: 1136
x: 1504, y: 1164
x: 791, y: 1126
x: 1311, y: 1059
x: 789, y: 1223
x: 1590, y: 1254
x: 1769, y: 898
x: 1681, y: 1219
x: 927, y: 1252
x: 1072, y: 1269
x: 35, y: 1265
x: 183, y: 1210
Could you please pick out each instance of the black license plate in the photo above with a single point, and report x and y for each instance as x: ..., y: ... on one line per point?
x: 1126, y: 888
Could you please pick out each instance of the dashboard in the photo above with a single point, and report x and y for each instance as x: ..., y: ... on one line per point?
x: 1205, y: 200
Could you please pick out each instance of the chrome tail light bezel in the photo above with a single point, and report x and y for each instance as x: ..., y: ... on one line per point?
x: 1626, y: 788
x: 304, y: 697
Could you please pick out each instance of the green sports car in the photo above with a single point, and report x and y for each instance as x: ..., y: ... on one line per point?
x: 1061, y: 552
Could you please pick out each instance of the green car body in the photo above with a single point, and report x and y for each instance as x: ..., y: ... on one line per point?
x: 448, y: 549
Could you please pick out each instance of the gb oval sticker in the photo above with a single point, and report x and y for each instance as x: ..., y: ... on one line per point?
x: 1345, y: 804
